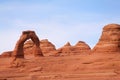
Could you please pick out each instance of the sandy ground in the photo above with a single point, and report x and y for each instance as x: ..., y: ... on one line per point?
x: 75, y: 67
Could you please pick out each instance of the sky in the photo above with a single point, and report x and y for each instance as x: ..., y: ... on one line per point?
x: 59, y: 21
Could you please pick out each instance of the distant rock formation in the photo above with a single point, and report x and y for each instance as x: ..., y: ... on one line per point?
x: 6, y: 54
x: 28, y: 47
x: 47, y: 47
x: 109, y: 40
x: 81, y: 47
x: 29, y: 43
x: 67, y: 44
x: 67, y: 49
x: 19, y: 52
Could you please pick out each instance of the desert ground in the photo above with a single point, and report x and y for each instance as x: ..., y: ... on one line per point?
x: 76, y: 67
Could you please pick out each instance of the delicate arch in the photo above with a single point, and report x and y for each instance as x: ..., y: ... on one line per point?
x: 18, y: 51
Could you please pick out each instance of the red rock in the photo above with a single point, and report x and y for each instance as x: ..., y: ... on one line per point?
x: 47, y: 47
x: 28, y: 47
x: 109, y: 40
x: 67, y: 44
x: 19, y: 52
x: 6, y: 54
x: 67, y: 49
x: 75, y: 67
x: 81, y: 47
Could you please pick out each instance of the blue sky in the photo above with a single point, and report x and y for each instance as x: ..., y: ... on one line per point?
x: 59, y: 21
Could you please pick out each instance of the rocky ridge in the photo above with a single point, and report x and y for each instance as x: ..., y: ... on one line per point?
x: 109, y: 42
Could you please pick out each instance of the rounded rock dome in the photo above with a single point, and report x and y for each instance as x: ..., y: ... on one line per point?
x: 111, y: 26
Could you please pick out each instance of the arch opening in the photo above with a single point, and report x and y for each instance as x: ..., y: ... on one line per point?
x: 26, y: 35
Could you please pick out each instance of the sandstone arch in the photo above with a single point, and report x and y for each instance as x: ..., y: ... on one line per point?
x: 19, y: 52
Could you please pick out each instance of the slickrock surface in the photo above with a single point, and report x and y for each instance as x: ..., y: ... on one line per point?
x: 75, y: 67
x: 110, y: 39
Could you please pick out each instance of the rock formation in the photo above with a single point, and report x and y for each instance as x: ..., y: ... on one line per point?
x: 81, y: 47
x: 19, y: 52
x: 109, y: 40
x: 47, y: 47
x: 67, y: 44
x: 6, y: 54
x: 67, y: 49
x: 28, y: 47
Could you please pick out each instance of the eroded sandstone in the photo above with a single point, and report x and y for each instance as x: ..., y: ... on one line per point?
x: 109, y: 41
x: 19, y: 51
